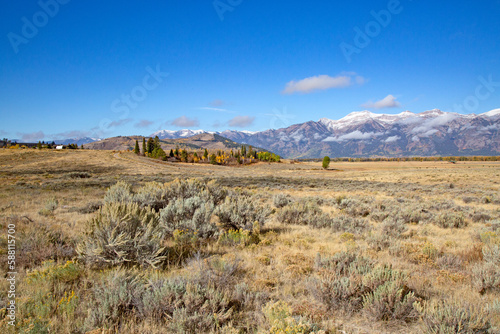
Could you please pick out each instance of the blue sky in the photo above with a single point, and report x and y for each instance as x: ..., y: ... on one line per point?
x: 94, y: 68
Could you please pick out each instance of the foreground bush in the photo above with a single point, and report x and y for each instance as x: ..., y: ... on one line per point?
x: 123, y: 234
x: 240, y: 212
x: 445, y: 317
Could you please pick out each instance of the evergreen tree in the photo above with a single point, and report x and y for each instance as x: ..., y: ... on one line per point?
x: 136, y: 148
x: 81, y: 146
x: 184, y: 156
x: 39, y: 145
x: 205, y: 154
x: 143, y: 146
x: 176, y: 152
x: 243, y: 150
x: 150, y: 146
x: 171, y: 153
x: 156, y: 142
x: 213, y: 159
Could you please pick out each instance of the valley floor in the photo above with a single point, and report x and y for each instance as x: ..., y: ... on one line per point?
x: 368, y: 247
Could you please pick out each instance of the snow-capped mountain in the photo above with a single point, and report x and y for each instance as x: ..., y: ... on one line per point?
x: 78, y: 141
x: 364, y: 133
x: 170, y: 134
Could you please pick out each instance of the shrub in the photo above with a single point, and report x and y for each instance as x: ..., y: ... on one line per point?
x: 445, y: 317
x: 348, y: 224
x: 345, y: 263
x: 486, y: 277
x: 451, y: 220
x: 79, y: 175
x: 154, y: 195
x: 191, y: 214
x: 449, y: 261
x: 118, y: 296
x: 49, y: 208
x: 393, y: 228
x: 123, y: 234
x: 281, y: 200
x: 301, y: 213
x: 390, y: 301
x: 121, y: 192
x: 354, y: 207
x: 241, y: 212
x: 390, y: 298
x: 280, y: 320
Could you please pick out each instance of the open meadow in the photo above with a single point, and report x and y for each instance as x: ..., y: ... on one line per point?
x: 112, y: 242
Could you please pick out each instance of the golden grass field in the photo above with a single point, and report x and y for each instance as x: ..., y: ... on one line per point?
x: 282, y: 266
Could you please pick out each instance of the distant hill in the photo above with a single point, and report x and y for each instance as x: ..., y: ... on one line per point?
x: 210, y: 141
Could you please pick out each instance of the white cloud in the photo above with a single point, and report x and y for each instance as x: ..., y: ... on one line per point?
x: 392, y: 139
x: 241, y: 121
x: 217, y: 109
x: 185, y: 122
x: 322, y: 82
x: 428, y: 133
x: 355, y: 135
x: 387, y: 102
x: 429, y: 124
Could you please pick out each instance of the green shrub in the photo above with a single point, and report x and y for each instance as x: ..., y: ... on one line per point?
x: 280, y: 320
x: 446, y: 317
x: 50, y: 206
x: 123, y: 234
x: 390, y: 301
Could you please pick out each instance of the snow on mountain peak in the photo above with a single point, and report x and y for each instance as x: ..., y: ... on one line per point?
x: 491, y: 113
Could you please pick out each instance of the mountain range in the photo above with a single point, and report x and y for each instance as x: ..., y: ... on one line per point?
x: 367, y: 134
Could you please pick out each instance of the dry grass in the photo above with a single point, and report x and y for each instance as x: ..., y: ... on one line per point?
x: 278, y: 264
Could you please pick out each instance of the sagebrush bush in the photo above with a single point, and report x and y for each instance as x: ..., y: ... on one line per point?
x: 117, y: 297
x: 443, y: 317
x: 486, y: 277
x: 241, y: 212
x: 451, y: 220
x: 121, y: 192
x: 349, y: 224
x: 192, y: 214
x: 154, y: 195
x: 50, y: 206
x: 390, y: 301
x: 280, y: 320
x: 303, y: 213
x: 123, y: 234
x: 281, y: 200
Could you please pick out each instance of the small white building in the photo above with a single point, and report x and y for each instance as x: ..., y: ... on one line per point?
x: 59, y: 147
